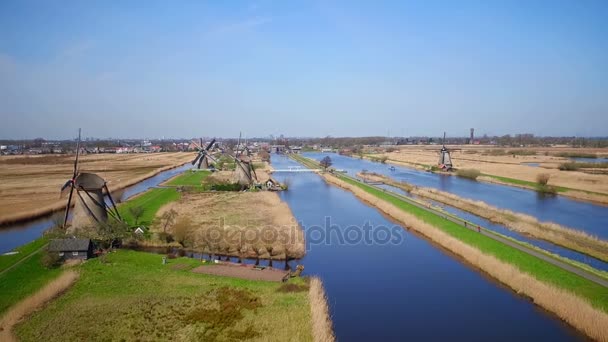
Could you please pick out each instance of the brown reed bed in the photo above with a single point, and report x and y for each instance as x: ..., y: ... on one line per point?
x: 28, y: 215
x: 526, y: 224
x: 571, y: 308
x: 322, y: 330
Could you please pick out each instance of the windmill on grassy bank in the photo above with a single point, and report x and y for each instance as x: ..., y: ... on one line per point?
x: 445, y: 159
x: 202, y: 156
x: 90, y: 207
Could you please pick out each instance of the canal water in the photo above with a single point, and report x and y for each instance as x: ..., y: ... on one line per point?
x: 590, y: 160
x: 405, y: 290
x: 587, y: 217
x: 15, y: 235
x: 547, y: 246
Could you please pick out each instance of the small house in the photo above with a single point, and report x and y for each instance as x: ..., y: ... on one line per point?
x: 72, y: 248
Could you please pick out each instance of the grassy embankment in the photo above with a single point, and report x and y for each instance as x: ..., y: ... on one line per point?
x: 539, y: 269
x: 153, y: 199
x: 23, y: 280
x: 188, y: 178
x: 28, y: 277
x: 26, y: 250
x: 141, y: 299
x: 563, y: 236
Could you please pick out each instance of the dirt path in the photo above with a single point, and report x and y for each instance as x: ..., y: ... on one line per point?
x: 242, y: 271
x: 32, y: 303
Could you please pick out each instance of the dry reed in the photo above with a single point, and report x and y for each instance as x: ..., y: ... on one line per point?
x: 322, y: 330
x: 552, y: 232
x: 576, y: 311
x: 60, y: 204
x: 563, y: 236
x: 32, y: 303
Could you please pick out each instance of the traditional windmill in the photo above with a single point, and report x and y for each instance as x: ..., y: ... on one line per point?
x: 244, y: 171
x: 90, y: 207
x: 203, y: 156
x: 445, y: 159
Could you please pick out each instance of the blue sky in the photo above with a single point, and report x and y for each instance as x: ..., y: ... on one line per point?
x: 302, y: 68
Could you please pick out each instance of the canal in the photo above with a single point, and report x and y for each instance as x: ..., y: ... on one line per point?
x: 406, y: 288
x: 587, y: 217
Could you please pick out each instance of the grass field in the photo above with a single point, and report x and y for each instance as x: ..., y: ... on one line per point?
x: 538, y: 268
x: 189, y: 178
x: 23, y: 280
x: 134, y: 297
x: 7, y: 261
x: 524, y: 183
x: 151, y: 201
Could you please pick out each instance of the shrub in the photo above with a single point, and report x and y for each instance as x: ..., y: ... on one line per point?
x: 546, y: 189
x: 543, y: 178
x: 50, y: 259
x: 383, y: 159
x: 468, y: 173
x: 496, y: 152
x: 576, y: 155
x: 522, y: 152
x: 569, y: 166
x: 165, y: 237
x: 182, y: 230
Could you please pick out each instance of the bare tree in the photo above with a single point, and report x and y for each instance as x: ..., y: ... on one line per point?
x: 182, y: 231
x: 137, y: 212
x: 167, y: 219
x: 326, y: 162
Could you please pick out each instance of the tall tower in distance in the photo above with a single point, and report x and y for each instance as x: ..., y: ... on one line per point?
x: 472, y: 136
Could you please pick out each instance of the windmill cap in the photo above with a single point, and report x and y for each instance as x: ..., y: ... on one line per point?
x: 89, y: 181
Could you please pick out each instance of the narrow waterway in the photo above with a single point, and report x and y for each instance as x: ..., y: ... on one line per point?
x: 587, y: 217
x: 15, y: 235
x: 405, y: 290
x: 547, y: 246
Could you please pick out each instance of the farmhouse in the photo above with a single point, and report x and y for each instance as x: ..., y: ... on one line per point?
x: 72, y: 248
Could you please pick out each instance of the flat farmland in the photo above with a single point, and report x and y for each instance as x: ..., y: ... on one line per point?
x: 30, y: 185
x: 515, y: 163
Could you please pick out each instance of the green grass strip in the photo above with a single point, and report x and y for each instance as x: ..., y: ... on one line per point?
x: 540, y: 269
x: 189, y: 178
x: 24, y: 280
x: 151, y: 200
x: 7, y: 261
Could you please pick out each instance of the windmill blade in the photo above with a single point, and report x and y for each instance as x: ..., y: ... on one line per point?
x: 255, y: 175
x: 210, y: 144
x: 196, y: 144
x: 238, y: 144
x: 212, y: 158
x: 200, y: 161
x: 70, y: 183
x: 67, y: 207
x: 198, y: 156
x: 76, y: 160
x: 65, y: 186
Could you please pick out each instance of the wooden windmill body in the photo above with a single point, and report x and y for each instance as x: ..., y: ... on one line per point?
x: 90, y: 207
